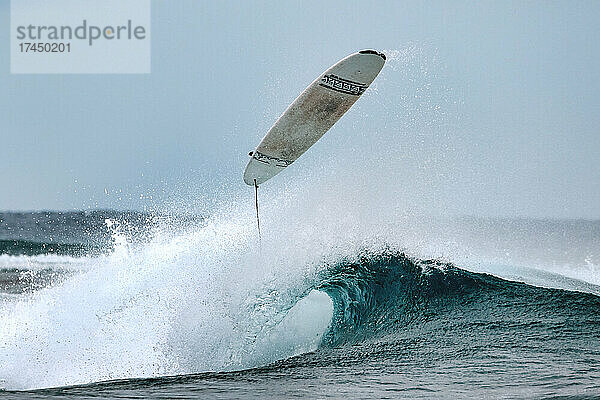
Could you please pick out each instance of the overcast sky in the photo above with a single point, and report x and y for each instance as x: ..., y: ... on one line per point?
x: 493, y: 107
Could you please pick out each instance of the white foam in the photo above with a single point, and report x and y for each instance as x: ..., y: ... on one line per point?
x: 203, y: 300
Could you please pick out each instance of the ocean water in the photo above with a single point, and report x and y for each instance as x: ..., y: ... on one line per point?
x: 334, y: 301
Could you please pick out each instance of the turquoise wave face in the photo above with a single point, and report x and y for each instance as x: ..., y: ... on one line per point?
x: 389, y: 294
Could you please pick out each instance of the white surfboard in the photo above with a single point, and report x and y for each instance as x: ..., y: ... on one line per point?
x: 307, y: 119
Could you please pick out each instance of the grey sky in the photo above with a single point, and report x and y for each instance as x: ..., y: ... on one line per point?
x: 492, y: 106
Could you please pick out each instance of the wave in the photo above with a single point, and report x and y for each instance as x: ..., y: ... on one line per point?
x: 210, y: 297
x: 375, y: 296
x: 389, y: 292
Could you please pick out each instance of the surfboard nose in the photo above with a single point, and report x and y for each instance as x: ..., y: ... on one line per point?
x: 369, y: 51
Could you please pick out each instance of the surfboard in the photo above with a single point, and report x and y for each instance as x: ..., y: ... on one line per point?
x: 311, y: 115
